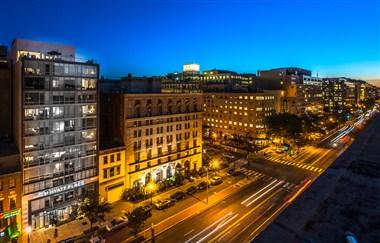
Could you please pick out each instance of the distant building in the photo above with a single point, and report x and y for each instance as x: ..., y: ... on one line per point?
x: 333, y: 94
x: 55, y: 121
x: 131, y: 84
x: 162, y: 134
x: 290, y: 80
x: 240, y: 114
x: 10, y: 192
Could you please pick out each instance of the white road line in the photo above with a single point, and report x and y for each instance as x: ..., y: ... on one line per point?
x: 218, y: 227
x: 262, y: 189
x: 210, y: 226
x: 270, y: 189
x: 188, y: 232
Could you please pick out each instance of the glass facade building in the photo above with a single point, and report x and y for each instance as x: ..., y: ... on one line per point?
x: 58, y: 137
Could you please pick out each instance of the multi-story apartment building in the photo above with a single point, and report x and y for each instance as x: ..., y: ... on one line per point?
x: 298, y: 86
x: 112, y: 173
x: 10, y: 192
x: 55, y: 121
x: 313, y: 93
x: 240, y: 114
x: 333, y: 94
x: 162, y: 134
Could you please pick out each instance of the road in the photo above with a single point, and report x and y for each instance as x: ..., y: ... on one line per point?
x: 242, y: 216
x: 226, y: 217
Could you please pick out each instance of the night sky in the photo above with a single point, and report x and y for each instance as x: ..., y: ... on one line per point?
x: 157, y: 37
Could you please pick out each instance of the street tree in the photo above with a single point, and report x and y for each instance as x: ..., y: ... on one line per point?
x: 93, y: 209
x: 136, y: 219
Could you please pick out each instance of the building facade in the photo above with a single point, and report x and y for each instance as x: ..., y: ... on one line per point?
x: 240, y: 114
x: 162, y: 134
x: 55, y: 129
x: 10, y: 193
x: 333, y: 94
x: 112, y: 174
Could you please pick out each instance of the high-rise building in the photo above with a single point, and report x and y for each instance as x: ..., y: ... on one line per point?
x: 55, y: 121
x: 333, y: 94
x: 290, y: 80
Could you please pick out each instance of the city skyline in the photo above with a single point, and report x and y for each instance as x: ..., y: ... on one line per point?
x: 262, y: 35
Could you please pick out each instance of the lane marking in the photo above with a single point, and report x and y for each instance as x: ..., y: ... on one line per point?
x: 269, y: 190
x: 188, y: 232
x: 262, y: 189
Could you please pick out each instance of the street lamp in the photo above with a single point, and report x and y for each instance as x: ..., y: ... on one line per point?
x: 151, y: 187
x: 28, y: 230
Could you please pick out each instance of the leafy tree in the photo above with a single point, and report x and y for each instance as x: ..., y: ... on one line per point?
x: 136, y: 219
x: 284, y: 125
x: 92, y: 209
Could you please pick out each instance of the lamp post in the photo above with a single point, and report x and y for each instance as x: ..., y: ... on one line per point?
x: 151, y: 187
x: 28, y: 230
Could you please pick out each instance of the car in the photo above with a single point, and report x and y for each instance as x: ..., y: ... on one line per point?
x: 163, y: 204
x: 216, y: 180
x: 190, y: 178
x: 116, y: 224
x: 178, y: 195
x: 147, y: 209
x: 229, y: 156
x: 233, y: 172
x: 202, y: 186
x: 191, y: 190
x: 279, y: 151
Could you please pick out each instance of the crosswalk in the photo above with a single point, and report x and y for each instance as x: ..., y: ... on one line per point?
x: 267, y: 178
x: 299, y: 165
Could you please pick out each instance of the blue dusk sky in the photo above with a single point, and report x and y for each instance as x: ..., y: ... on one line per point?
x: 331, y: 38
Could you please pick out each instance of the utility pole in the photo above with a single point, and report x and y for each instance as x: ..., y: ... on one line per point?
x: 207, y: 186
x: 152, y: 230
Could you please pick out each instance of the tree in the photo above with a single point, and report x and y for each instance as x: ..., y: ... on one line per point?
x: 92, y: 209
x: 284, y: 125
x: 136, y: 219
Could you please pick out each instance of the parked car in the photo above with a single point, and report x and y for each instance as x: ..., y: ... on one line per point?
x: 178, y: 195
x: 116, y: 224
x: 147, y: 209
x: 190, y: 178
x: 162, y: 204
x: 233, y: 172
x: 202, y: 186
x: 216, y: 180
x: 229, y: 156
x: 191, y: 190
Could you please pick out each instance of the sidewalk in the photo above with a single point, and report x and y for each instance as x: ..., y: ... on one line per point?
x: 78, y: 226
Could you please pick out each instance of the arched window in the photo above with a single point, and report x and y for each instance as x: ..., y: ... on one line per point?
x: 195, y: 105
x: 179, y: 110
x: 170, y: 106
x: 187, y: 105
x: 148, y: 177
x: 137, y: 108
x: 149, y: 107
x: 159, y: 107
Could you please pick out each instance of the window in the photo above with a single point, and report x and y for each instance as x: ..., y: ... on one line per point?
x: 12, y: 203
x: 105, y: 160
x: 12, y: 183
x: 118, y: 156
x: 105, y: 174
x: 1, y: 206
x: 118, y: 170
x: 1, y: 186
x: 112, y: 171
x: 112, y: 158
